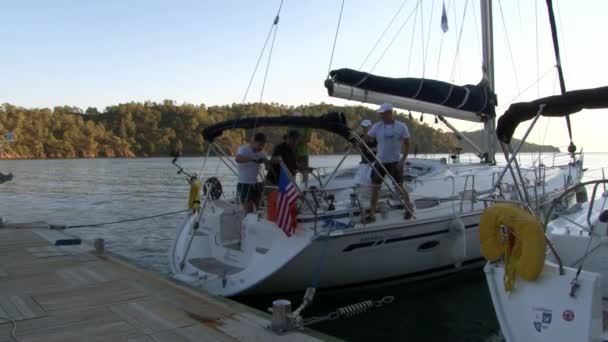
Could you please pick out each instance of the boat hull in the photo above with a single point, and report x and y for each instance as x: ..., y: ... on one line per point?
x: 232, y: 254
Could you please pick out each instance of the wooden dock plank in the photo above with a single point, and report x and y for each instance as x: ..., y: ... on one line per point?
x: 34, y: 266
x: 70, y: 294
x: 192, y: 333
x: 91, y: 295
x: 152, y: 315
x: 19, y: 308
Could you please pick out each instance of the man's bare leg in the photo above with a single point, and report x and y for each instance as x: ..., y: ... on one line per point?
x: 409, y: 209
x: 248, y: 207
x: 305, y: 178
x: 374, y: 200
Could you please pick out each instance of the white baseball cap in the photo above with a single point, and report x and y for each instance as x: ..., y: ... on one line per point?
x: 366, y: 123
x: 385, y: 107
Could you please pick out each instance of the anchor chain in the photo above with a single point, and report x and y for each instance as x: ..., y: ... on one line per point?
x: 349, y: 310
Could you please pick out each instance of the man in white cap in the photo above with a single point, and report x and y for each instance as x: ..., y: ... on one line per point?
x: 393, y: 139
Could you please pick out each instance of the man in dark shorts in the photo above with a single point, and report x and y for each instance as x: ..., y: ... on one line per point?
x: 284, y: 152
x: 249, y: 158
x: 393, y: 139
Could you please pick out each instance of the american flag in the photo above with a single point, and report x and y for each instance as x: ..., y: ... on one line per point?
x: 286, y: 201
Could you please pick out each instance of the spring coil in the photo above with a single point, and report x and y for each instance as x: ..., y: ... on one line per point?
x: 355, y: 309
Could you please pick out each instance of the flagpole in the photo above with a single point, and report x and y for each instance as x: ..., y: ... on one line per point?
x: 291, y: 178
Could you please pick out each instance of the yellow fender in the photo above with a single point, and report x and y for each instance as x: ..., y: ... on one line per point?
x: 521, y: 243
x: 194, y: 201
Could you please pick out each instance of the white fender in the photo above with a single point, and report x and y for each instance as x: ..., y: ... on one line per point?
x: 457, y: 235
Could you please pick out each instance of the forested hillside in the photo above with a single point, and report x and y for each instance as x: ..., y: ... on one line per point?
x: 156, y: 129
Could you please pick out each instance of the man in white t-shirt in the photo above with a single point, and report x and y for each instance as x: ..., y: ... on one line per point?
x: 249, y: 158
x: 393, y: 139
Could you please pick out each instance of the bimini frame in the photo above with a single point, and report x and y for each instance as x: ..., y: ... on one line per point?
x: 334, y: 122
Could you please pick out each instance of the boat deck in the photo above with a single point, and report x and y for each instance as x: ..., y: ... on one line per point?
x: 70, y: 293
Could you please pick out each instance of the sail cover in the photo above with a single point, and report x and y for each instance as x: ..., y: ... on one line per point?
x: 470, y: 98
x: 333, y: 122
x: 558, y: 105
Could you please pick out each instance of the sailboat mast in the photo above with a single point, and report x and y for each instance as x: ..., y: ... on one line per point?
x: 487, y: 35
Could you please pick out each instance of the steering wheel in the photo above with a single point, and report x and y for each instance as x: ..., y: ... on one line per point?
x: 214, y: 186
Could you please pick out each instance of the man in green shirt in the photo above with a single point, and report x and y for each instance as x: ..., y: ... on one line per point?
x: 301, y: 150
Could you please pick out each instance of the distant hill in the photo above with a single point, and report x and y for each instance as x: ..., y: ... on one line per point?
x: 142, y: 129
x: 476, y: 137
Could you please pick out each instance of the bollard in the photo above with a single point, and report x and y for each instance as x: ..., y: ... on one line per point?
x: 99, y: 246
x: 281, y: 309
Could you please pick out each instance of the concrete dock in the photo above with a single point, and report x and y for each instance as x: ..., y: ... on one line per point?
x: 70, y: 293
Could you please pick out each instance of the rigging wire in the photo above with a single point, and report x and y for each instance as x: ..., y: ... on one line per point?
x: 383, y: 34
x: 537, y: 65
x: 504, y: 25
x: 274, y: 36
x: 409, y: 58
x: 519, y: 15
x: 549, y: 119
x: 257, y: 64
x: 395, y: 36
x: 477, y: 32
x: 464, y: 12
x: 333, y: 49
x: 422, y: 40
x: 428, y: 38
x: 537, y: 81
x: 537, y: 50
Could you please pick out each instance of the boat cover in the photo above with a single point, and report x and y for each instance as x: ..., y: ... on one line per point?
x: 333, y: 122
x: 558, y: 105
x: 472, y: 98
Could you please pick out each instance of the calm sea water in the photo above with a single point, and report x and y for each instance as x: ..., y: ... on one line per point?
x: 86, y: 191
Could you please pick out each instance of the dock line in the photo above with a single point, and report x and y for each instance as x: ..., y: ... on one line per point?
x: 121, y: 221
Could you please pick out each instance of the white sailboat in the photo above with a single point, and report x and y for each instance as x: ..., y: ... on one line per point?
x: 227, y: 253
x: 567, y: 302
x: 564, y: 296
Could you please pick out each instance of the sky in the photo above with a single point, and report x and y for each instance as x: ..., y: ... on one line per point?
x: 100, y: 53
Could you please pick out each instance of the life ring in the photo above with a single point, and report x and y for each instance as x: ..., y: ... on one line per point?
x: 513, y: 233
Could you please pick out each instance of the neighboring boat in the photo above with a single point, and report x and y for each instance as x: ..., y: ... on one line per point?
x: 227, y: 253
x: 568, y: 300
x: 562, y: 298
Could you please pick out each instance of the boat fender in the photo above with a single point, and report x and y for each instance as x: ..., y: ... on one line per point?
x: 506, y: 230
x: 457, y: 234
x: 456, y: 228
x: 194, y: 201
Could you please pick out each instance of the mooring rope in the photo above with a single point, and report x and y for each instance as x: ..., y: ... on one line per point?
x: 13, y: 332
x: 127, y: 220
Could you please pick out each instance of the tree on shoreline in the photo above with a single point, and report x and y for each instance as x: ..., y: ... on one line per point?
x: 137, y: 129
